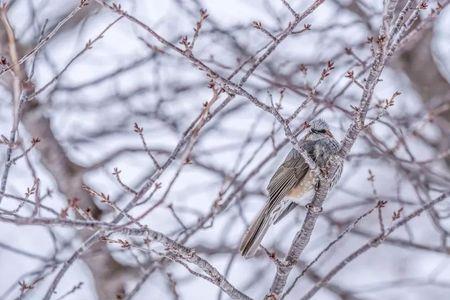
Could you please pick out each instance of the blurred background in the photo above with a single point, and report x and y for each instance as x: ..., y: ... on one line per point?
x: 100, y: 85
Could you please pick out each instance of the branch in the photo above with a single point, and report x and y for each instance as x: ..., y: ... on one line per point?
x: 375, y: 242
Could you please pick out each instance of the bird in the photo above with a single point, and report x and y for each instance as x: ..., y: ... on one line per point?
x: 293, y: 182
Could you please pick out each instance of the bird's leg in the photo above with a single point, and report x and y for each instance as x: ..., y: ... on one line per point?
x: 310, y: 206
x: 317, y: 185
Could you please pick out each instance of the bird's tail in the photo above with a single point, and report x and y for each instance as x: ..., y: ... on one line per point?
x: 255, y: 233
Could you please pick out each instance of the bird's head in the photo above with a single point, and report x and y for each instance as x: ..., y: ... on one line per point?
x: 319, y: 129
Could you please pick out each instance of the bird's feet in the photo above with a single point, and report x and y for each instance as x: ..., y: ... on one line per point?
x: 314, y: 209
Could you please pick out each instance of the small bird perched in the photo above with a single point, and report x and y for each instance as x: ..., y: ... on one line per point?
x: 293, y: 182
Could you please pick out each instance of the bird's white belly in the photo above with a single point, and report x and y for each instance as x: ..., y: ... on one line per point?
x: 303, y: 199
x: 304, y: 191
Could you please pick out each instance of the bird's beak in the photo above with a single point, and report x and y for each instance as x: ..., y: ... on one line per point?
x: 327, y: 132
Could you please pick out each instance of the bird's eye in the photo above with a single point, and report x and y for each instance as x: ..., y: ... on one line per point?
x: 318, y: 131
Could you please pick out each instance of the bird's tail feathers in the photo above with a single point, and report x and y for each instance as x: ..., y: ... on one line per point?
x: 255, y: 233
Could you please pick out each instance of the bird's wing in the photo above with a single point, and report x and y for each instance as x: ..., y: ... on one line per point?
x: 287, y: 176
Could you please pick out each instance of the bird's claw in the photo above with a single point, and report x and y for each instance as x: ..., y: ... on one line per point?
x: 313, y: 209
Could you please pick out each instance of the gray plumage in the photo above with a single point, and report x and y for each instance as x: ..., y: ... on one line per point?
x: 292, y: 180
